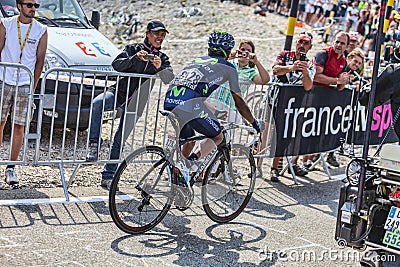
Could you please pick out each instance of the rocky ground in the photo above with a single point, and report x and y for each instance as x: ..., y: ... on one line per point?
x: 189, y: 33
x: 187, y: 39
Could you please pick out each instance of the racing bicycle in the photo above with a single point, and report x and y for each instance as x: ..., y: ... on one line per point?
x: 148, y: 182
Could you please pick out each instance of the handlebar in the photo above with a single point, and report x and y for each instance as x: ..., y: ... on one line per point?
x: 231, y: 125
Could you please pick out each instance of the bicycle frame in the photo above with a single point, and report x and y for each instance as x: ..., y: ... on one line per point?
x: 175, y: 147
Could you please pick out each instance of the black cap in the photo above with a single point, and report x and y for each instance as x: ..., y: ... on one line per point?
x: 156, y: 25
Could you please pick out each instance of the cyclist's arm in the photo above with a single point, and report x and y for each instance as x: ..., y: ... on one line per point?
x: 242, y: 107
x: 237, y: 96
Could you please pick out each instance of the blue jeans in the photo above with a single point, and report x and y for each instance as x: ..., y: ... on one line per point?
x: 94, y: 135
x: 97, y: 113
x: 110, y: 168
x: 135, y: 106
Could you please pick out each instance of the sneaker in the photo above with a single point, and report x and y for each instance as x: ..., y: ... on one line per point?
x: 259, y: 173
x: 11, y: 177
x: 93, y: 152
x: 274, y: 174
x: 106, y: 184
x: 307, y: 165
x: 298, y: 170
x: 331, y: 160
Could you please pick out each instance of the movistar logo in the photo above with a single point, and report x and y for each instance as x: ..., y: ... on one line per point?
x: 212, y: 60
x: 203, y: 115
x: 205, y: 90
x: 177, y: 91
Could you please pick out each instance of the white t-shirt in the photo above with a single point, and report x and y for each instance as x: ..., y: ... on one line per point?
x: 352, y: 14
x: 11, y: 51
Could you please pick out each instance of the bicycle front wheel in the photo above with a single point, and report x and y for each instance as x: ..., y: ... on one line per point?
x: 140, y: 194
x: 228, y: 186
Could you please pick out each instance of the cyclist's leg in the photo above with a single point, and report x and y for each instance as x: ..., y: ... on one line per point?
x: 194, y: 115
x: 210, y: 127
x: 186, y: 132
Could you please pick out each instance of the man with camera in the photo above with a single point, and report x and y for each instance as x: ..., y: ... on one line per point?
x: 293, y: 67
x: 143, y: 58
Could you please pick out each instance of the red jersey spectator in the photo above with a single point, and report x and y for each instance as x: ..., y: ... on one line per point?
x: 330, y: 64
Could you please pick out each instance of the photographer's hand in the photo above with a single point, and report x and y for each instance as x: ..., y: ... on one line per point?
x: 303, y: 66
x: 233, y: 54
x: 156, y: 61
x: 253, y: 58
x: 297, y: 65
x: 141, y: 55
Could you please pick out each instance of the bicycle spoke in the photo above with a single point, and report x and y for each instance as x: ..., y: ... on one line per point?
x: 140, y: 195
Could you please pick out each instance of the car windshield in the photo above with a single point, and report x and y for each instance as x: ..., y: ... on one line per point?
x: 53, y: 13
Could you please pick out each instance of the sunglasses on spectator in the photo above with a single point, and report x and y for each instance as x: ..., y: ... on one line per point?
x: 30, y: 5
x: 303, y: 42
x: 159, y: 34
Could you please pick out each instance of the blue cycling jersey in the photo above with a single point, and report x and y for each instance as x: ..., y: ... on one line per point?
x: 190, y: 87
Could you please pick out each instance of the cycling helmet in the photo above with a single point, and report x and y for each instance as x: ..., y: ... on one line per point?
x: 221, y: 41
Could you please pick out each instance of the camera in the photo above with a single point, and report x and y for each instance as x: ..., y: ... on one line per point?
x: 303, y: 56
x: 148, y: 57
x: 242, y: 54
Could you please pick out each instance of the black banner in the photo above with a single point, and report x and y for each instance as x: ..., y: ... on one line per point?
x: 317, y: 120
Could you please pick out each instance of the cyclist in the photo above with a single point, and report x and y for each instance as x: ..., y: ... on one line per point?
x: 187, y: 92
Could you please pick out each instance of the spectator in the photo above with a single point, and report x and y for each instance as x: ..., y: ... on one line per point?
x: 352, y: 16
x: 330, y: 63
x: 290, y: 67
x: 245, y: 60
x: 302, y: 10
x: 353, y: 44
x: 373, y: 21
x: 23, y: 40
x: 366, y: 22
x: 132, y: 60
x: 309, y: 11
x: 355, y: 62
x: 260, y: 8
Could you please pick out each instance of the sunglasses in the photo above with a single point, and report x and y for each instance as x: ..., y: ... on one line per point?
x: 303, y: 42
x: 159, y: 34
x: 30, y: 5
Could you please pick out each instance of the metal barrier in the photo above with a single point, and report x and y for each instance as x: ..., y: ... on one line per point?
x: 70, y: 107
x: 6, y: 140
x: 64, y: 112
x: 61, y: 123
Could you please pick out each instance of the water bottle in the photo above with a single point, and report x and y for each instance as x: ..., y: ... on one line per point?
x: 184, y: 170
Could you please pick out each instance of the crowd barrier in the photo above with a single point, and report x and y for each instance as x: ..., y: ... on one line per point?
x: 59, y: 132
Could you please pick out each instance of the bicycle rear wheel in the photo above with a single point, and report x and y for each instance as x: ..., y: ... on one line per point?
x: 140, y: 194
x: 227, y: 187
